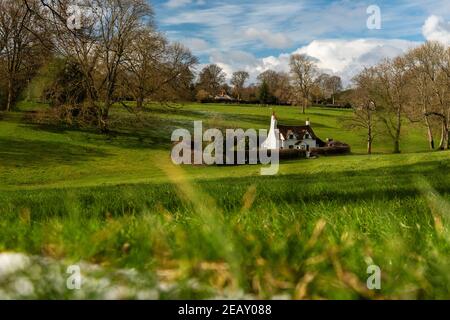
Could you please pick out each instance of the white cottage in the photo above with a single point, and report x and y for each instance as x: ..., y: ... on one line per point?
x: 291, y: 137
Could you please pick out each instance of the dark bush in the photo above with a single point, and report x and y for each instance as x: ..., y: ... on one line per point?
x: 291, y: 154
x: 334, y: 150
x: 67, y: 88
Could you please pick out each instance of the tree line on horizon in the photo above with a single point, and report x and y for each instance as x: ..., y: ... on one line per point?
x: 304, y: 84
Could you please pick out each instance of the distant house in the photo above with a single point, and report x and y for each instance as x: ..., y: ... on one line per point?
x: 223, y: 97
x: 291, y: 137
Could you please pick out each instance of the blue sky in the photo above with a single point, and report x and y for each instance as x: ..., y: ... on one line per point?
x: 259, y: 34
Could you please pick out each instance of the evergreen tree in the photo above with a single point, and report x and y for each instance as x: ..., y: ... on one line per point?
x: 264, y: 94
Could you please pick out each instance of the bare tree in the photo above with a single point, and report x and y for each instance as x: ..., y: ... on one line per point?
x: 238, y: 81
x: 155, y: 69
x: 177, y: 73
x: 270, y: 77
x: 430, y: 63
x: 445, y: 101
x: 334, y: 85
x: 329, y: 85
x: 320, y: 89
x: 142, y: 63
x: 364, y: 106
x: 19, y: 49
x: 393, y: 96
x: 422, y: 65
x: 211, y: 79
x: 303, y: 71
x: 278, y: 86
x: 283, y: 90
x: 99, y: 45
x: 117, y: 22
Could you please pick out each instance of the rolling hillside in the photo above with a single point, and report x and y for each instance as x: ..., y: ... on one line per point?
x: 116, y: 201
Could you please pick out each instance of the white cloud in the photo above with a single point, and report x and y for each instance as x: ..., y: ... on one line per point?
x: 177, y: 3
x: 196, y: 44
x: 270, y: 39
x: 347, y: 57
x: 437, y: 29
x: 280, y: 63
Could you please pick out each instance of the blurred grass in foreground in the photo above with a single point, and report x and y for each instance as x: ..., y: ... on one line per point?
x: 289, y: 236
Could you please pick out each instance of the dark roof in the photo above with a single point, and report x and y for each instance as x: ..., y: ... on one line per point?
x: 300, y: 132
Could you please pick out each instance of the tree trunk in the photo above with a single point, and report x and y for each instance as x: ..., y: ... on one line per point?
x: 10, y: 98
x: 140, y: 103
x: 396, y: 146
x: 428, y: 125
x: 104, y: 114
x: 445, y: 141
x: 430, y: 139
x: 108, y: 103
x: 430, y: 133
x: 448, y: 140
x: 398, y: 131
x: 446, y: 137
x: 369, y: 140
x: 441, y: 142
x: 104, y: 121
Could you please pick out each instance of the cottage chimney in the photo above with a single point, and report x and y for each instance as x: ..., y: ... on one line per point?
x: 308, y: 123
x: 273, y: 123
x: 272, y: 141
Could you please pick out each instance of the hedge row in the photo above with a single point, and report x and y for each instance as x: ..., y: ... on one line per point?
x: 335, y: 150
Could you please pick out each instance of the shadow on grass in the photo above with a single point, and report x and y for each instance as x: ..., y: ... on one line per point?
x: 30, y: 153
x: 350, y: 186
x: 120, y: 136
x: 290, y: 194
x: 259, y: 121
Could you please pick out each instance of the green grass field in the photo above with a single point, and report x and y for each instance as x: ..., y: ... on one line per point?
x: 117, y: 202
